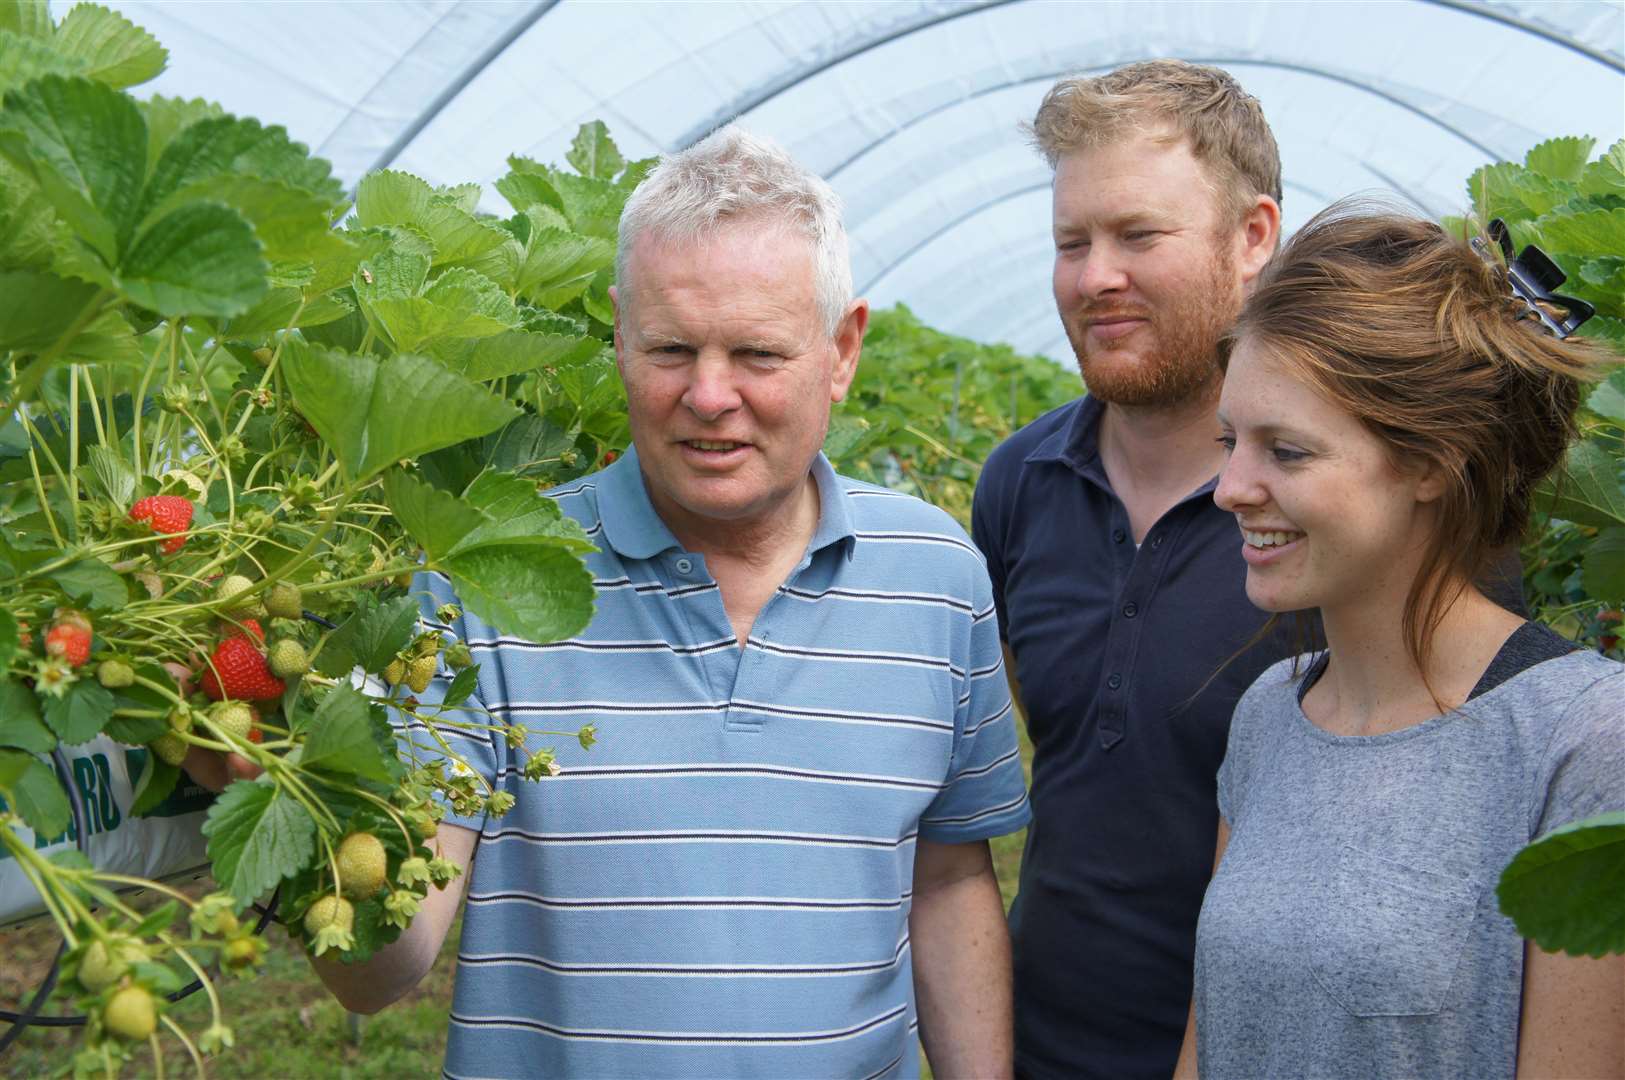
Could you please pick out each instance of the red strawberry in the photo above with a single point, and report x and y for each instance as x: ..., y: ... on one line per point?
x: 69, y: 641
x: 235, y: 630
x: 167, y: 514
x: 242, y: 674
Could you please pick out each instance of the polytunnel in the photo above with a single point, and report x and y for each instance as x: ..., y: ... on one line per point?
x: 911, y: 110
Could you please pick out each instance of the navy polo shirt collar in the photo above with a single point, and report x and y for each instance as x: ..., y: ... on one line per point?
x: 1077, y: 446
x: 633, y: 530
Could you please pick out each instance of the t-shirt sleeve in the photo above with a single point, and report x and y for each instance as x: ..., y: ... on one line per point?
x: 1584, y: 767
x: 985, y: 793
x: 469, y: 732
x: 1238, y: 753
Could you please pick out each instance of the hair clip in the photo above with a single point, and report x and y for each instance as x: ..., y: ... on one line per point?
x: 1533, y: 276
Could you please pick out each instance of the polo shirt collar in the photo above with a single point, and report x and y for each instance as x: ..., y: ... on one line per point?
x: 1077, y: 446
x: 1077, y: 443
x: 634, y: 531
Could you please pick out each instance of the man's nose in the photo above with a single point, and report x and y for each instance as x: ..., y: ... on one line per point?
x: 711, y: 391
x: 1102, y: 272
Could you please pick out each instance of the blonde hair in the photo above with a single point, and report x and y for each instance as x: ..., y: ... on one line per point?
x: 1408, y: 329
x: 1205, y: 105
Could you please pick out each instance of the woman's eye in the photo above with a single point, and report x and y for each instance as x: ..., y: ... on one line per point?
x: 1286, y: 455
x: 1227, y: 441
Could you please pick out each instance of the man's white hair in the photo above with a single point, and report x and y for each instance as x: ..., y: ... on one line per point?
x: 732, y: 176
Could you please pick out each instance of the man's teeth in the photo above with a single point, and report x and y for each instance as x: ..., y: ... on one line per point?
x: 701, y: 444
x: 1270, y: 539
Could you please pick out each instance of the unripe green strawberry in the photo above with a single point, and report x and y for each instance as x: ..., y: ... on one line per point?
x: 242, y: 952
x: 131, y: 1014
x: 232, y: 586
x: 420, y: 672
x: 115, y: 674
x: 458, y: 656
x: 395, y: 672
x: 329, y: 912
x: 170, y: 748
x: 362, y: 865
x: 235, y: 718
x: 103, y: 965
x: 288, y: 659
x: 284, y: 601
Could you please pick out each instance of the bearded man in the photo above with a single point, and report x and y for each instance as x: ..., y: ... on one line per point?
x: 1119, y: 584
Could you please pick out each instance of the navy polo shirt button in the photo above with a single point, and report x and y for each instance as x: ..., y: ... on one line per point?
x: 1156, y: 542
x: 1118, y: 536
x: 1114, y: 681
x: 1130, y: 610
x: 684, y: 566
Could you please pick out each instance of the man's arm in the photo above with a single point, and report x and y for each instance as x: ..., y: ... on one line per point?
x: 1015, y: 687
x: 397, y: 968
x: 961, y: 953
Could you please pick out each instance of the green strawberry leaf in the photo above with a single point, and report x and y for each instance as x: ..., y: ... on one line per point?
x: 594, y: 153
x: 369, y: 638
x: 512, y: 352
x: 559, y: 265
x: 535, y: 591
x: 1563, y: 891
x: 199, y: 259
x: 1561, y: 158
x: 10, y: 639
x: 20, y: 723
x: 436, y: 519
x: 167, y: 117
x: 290, y: 222
x: 1588, y: 490
x: 511, y: 511
x: 445, y: 216
x: 27, y: 18
x: 30, y: 787
x: 1585, y: 232
x: 374, y: 413
x: 81, y: 712
x: 85, y: 144
x: 92, y: 583
x: 226, y: 145
x: 1602, y: 570
x: 23, y: 59
x: 1608, y: 399
x: 462, y: 687
x: 349, y: 737
x: 155, y: 784
x: 1606, y: 175
x: 461, y: 303
x: 37, y: 308
x: 257, y: 836
x: 114, y: 50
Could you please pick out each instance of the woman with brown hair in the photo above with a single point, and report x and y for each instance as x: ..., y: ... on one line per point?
x: 1390, y: 403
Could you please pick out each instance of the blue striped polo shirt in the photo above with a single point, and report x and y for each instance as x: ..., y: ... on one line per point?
x: 721, y: 886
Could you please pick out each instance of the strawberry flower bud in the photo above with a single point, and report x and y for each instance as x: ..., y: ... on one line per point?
x: 399, y: 907
x: 413, y: 871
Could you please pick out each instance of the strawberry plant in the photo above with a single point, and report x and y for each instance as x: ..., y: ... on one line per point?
x: 239, y: 409
x: 1563, y: 890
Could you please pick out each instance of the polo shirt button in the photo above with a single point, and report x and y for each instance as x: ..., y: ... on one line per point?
x: 1118, y: 536
x: 1114, y: 681
x: 1130, y: 610
x: 684, y: 566
x: 1156, y: 542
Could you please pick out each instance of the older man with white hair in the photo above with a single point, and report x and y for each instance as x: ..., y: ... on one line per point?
x: 775, y: 863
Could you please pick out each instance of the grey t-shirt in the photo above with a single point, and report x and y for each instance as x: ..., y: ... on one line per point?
x: 1352, y: 928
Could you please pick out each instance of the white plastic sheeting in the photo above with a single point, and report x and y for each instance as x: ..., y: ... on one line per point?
x: 912, y: 110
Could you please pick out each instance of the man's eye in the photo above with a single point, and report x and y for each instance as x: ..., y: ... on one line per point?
x: 1139, y: 235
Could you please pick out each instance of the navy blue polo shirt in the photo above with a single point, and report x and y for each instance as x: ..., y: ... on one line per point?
x: 1112, y: 649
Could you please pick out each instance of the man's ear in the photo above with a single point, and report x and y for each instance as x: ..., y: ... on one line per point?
x: 1260, y: 235
x: 848, y: 346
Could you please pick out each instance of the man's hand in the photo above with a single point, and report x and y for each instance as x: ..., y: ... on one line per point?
x: 210, y: 768
x: 961, y: 947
